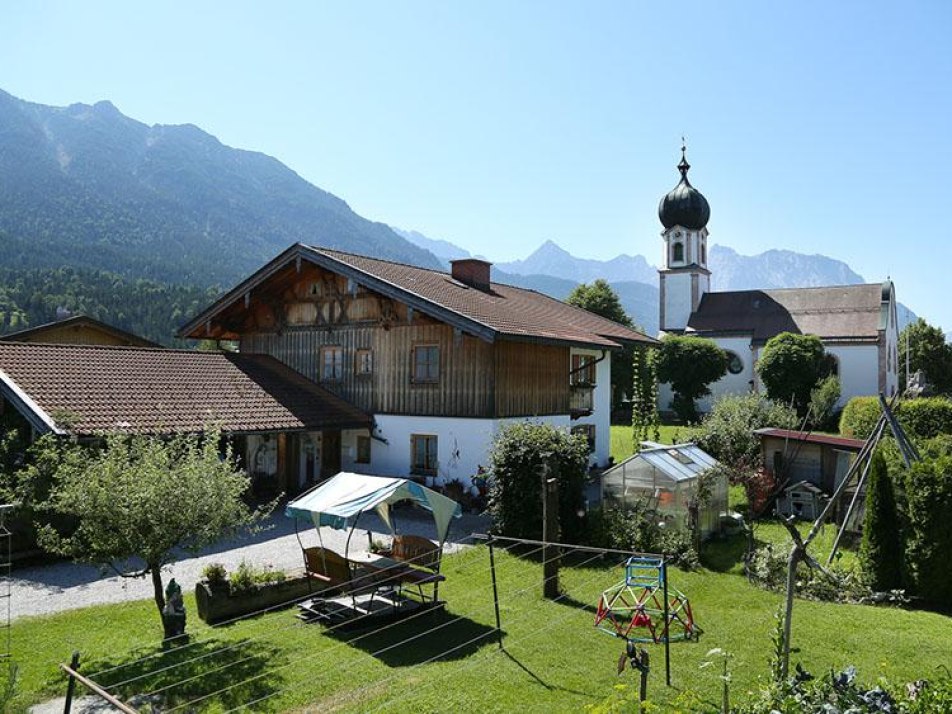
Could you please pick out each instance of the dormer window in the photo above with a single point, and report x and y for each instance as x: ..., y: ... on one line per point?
x: 677, y: 252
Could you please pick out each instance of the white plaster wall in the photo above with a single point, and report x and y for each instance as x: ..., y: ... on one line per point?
x: 462, y: 444
x: 731, y: 383
x: 677, y: 298
x: 859, y: 370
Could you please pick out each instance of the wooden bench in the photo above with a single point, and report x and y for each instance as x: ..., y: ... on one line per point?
x: 328, y: 568
x: 423, y: 558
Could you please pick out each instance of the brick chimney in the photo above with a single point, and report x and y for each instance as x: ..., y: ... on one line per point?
x: 472, y: 271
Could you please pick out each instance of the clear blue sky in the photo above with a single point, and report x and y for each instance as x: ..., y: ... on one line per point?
x: 821, y: 127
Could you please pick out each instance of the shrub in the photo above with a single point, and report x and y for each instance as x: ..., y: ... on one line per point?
x: 247, y: 577
x: 928, y: 487
x: 636, y: 528
x: 517, y: 457
x: 927, y: 417
x: 859, y: 417
x: 727, y: 433
x: 881, y: 548
x: 215, y: 574
x: 823, y: 401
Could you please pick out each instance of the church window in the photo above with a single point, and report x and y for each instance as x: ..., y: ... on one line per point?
x: 735, y: 365
x: 703, y: 252
x: 677, y: 253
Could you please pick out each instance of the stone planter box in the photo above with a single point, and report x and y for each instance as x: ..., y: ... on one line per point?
x: 218, y: 605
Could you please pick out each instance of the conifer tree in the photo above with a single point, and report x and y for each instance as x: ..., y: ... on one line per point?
x: 882, y: 547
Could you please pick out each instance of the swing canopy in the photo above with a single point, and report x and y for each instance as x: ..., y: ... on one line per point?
x: 340, y: 500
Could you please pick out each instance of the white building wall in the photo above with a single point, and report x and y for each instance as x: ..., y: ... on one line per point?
x: 731, y: 383
x: 677, y: 300
x: 463, y: 444
x: 858, y: 370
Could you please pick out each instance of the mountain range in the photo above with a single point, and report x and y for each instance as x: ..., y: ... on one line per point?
x: 118, y: 202
x: 552, y: 269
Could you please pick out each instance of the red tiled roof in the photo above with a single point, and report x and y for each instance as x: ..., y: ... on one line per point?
x: 87, y: 389
x: 511, y: 311
x: 840, y: 441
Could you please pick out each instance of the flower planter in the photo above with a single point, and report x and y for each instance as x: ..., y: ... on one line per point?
x: 217, y: 604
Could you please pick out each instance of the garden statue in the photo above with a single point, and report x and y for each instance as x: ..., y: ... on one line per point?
x: 173, y: 614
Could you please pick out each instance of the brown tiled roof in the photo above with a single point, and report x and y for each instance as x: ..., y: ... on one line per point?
x: 508, y: 310
x: 502, y: 311
x: 846, y: 312
x: 89, y: 389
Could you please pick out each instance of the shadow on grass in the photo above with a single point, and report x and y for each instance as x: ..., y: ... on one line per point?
x: 570, y: 601
x: 538, y: 679
x: 422, y: 638
x: 228, y: 673
x: 726, y: 555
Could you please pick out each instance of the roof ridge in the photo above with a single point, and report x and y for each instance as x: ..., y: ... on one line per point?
x: 120, y: 348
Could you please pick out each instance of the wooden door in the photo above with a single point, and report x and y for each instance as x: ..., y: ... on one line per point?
x: 330, y: 453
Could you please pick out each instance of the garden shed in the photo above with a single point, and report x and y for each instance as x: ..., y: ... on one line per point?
x: 665, y: 479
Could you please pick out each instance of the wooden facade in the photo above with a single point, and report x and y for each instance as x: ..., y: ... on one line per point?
x: 300, y: 313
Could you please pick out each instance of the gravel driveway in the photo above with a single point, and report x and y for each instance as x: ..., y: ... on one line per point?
x: 64, y: 586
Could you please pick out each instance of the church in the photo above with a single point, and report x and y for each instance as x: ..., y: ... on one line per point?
x: 856, y: 323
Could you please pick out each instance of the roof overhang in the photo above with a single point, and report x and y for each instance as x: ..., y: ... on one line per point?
x: 31, y: 411
x: 299, y: 252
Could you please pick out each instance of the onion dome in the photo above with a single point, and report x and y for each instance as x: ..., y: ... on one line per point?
x: 684, y: 205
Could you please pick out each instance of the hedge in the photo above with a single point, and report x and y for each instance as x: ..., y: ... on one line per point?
x: 922, y: 418
x: 929, y: 540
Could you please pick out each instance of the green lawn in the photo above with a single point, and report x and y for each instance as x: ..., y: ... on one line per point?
x: 623, y: 444
x: 554, y: 659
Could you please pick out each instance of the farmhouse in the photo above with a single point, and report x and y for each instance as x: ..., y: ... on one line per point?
x: 856, y: 323
x: 439, y: 360
x: 78, y: 330
x: 345, y: 363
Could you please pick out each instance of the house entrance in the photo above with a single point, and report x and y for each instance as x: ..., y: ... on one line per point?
x: 330, y: 453
x: 308, y: 460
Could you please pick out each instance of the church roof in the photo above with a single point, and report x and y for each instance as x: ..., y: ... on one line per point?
x: 843, y: 312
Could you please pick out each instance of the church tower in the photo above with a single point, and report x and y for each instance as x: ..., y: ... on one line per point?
x: 684, y: 276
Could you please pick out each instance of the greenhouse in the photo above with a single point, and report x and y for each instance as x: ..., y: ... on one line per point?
x: 665, y: 479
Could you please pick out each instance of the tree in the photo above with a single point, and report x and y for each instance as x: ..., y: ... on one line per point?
x: 928, y: 351
x: 140, y: 500
x: 790, y: 367
x: 882, y: 547
x: 601, y: 299
x: 689, y: 365
x: 823, y: 400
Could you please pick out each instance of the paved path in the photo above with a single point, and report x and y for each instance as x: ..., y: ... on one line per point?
x: 64, y: 586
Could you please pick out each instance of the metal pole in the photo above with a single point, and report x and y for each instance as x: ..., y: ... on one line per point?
x: 492, y: 570
x: 550, y: 531
x: 71, y: 683
x: 667, y: 634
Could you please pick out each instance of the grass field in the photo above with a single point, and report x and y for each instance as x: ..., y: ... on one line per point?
x: 554, y: 659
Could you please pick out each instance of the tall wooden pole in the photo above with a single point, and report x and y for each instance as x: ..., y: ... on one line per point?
x: 550, y: 534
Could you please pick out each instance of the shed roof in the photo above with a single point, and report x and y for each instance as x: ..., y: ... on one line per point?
x: 88, y: 389
x: 78, y: 329
x: 839, y: 442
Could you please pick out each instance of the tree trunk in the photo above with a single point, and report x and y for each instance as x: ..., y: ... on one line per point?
x: 795, y: 555
x: 158, y: 592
